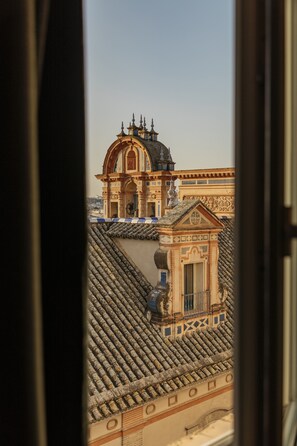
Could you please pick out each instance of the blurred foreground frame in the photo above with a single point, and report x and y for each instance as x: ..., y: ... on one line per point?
x: 43, y: 395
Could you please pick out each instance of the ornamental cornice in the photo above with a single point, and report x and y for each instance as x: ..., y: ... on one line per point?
x: 205, y: 173
x: 179, y: 239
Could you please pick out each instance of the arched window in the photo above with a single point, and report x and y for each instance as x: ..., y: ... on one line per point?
x: 131, y: 160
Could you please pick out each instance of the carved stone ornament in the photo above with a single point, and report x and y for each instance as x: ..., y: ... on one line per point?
x: 195, y: 218
x: 172, y: 195
x: 223, y: 292
x: 160, y: 258
x: 216, y: 203
x: 158, y: 300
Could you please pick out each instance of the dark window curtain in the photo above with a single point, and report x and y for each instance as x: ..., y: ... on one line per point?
x: 188, y: 287
x: 43, y: 230
x: 259, y: 141
x: 189, y: 281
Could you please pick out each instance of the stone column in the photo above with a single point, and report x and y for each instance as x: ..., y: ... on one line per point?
x: 121, y: 208
x: 141, y: 204
x: 141, y: 193
x: 106, y: 199
x: 213, y: 264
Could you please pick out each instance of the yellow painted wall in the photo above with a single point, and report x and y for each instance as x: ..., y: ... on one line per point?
x: 172, y: 428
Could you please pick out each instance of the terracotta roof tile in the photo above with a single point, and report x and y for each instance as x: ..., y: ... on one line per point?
x: 129, y: 361
x: 137, y: 231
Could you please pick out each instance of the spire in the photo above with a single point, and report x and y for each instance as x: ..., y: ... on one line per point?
x: 153, y: 134
x: 144, y: 133
x: 122, y: 133
x: 133, y: 129
x: 140, y: 123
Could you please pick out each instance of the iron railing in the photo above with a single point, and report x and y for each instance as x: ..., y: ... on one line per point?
x: 197, y: 303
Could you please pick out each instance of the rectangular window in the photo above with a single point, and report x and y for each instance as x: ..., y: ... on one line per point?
x: 151, y: 209
x: 188, y: 287
x: 188, y: 182
x: 222, y: 181
x: 114, y: 209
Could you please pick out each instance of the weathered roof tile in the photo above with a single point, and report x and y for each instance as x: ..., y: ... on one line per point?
x: 125, y: 349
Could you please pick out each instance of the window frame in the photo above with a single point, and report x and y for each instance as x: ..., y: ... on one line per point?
x: 259, y: 152
x: 43, y: 79
x: 290, y: 283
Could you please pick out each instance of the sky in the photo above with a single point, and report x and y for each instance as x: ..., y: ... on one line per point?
x: 170, y: 60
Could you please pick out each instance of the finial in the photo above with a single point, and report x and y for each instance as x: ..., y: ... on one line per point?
x: 140, y: 121
x: 144, y: 123
x: 133, y: 119
x: 152, y: 126
x: 122, y: 133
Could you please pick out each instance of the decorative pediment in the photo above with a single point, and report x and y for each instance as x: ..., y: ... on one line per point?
x: 189, y: 215
x: 199, y: 217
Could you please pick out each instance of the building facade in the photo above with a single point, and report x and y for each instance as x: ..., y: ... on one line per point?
x: 160, y: 296
x: 188, y: 295
x: 136, y: 173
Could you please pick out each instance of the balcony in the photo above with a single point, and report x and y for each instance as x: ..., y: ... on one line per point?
x: 197, y: 303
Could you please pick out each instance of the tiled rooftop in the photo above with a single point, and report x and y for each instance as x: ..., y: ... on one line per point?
x: 177, y: 213
x: 129, y: 361
x: 138, y: 231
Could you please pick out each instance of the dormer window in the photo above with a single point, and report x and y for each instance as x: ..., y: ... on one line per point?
x: 162, y: 165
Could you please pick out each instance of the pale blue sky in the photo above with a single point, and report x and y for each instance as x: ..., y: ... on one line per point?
x: 171, y: 60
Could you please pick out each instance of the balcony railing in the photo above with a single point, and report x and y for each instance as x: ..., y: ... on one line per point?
x: 197, y: 303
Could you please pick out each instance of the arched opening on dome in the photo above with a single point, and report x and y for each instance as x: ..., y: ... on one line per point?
x: 131, y: 160
x: 131, y: 200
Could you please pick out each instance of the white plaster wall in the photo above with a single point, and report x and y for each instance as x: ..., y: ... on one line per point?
x: 172, y: 428
x: 141, y: 252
